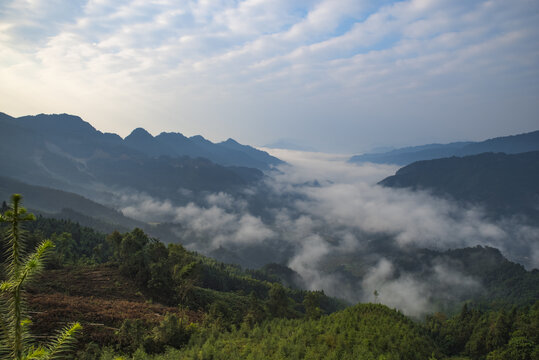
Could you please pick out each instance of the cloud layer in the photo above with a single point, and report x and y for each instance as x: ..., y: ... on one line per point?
x: 364, y: 72
x: 331, y: 214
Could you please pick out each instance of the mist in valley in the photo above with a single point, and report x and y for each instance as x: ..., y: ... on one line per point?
x: 331, y: 223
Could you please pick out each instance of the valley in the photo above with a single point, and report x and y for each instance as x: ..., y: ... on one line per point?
x: 154, y: 243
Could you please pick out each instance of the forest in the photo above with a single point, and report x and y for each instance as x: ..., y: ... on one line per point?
x: 130, y: 296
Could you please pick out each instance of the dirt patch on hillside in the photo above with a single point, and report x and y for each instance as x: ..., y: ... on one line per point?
x: 97, y: 297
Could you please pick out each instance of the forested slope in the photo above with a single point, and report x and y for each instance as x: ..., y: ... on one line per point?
x: 141, y: 299
x: 503, y: 184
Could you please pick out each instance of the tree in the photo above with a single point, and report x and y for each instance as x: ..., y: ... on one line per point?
x: 21, y: 268
x: 255, y: 312
x: 278, y: 301
x: 312, y: 304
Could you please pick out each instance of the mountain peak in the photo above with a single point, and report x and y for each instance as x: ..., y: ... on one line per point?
x: 231, y: 142
x: 60, y: 123
x: 200, y: 139
x: 5, y: 116
x: 139, y: 133
x: 171, y: 135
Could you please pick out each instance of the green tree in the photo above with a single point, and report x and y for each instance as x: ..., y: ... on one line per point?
x: 185, y: 278
x: 130, y: 336
x: 278, y: 301
x: 498, y: 332
x: 255, y: 312
x: 173, y: 331
x: 21, y: 268
x: 312, y: 304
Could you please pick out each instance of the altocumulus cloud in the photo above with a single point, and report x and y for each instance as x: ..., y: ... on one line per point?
x: 319, y: 68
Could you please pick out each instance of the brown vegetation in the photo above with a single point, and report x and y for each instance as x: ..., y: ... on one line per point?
x: 98, y: 297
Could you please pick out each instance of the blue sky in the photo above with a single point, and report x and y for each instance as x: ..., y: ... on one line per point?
x: 337, y: 75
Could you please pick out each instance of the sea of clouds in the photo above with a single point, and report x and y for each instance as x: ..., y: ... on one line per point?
x: 327, y: 209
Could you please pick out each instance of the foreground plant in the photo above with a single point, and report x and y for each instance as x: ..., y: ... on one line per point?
x: 16, y: 341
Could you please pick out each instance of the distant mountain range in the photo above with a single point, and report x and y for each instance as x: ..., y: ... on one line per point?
x: 504, y: 184
x: 227, y: 153
x: 63, y: 151
x: 404, y: 156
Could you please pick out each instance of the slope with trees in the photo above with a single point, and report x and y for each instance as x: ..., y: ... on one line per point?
x: 503, y: 184
x: 140, y: 299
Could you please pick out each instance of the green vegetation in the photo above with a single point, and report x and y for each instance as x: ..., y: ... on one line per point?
x: 491, y: 335
x: 505, y: 185
x: 21, y: 268
x: 141, y: 299
x: 365, y: 331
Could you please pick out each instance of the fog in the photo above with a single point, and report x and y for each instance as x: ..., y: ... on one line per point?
x: 326, y: 224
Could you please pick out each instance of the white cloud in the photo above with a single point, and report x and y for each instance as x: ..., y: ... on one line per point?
x: 251, y: 58
x: 332, y: 212
x: 412, y: 295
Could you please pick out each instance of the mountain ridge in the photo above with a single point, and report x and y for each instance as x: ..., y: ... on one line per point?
x: 505, y: 184
x: 510, y: 144
x: 43, y: 150
x: 140, y: 140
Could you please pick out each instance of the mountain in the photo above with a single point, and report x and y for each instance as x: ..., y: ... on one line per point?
x: 503, y: 184
x: 63, y: 151
x: 508, y: 144
x: 227, y: 153
x: 65, y: 205
x: 74, y: 129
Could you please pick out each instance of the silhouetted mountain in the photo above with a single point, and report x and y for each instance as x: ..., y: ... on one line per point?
x: 227, y: 153
x: 143, y: 141
x: 503, y: 184
x: 63, y: 151
x: 506, y: 144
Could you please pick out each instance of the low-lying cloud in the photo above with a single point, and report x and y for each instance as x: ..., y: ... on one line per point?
x: 412, y: 295
x: 328, y: 209
x: 221, y: 222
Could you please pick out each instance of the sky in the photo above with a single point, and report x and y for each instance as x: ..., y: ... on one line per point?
x: 335, y: 75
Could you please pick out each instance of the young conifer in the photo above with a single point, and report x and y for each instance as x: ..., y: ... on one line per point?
x: 20, y: 268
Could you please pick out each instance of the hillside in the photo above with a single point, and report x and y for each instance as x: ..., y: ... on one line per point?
x: 138, y: 298
x: 365, y: 331
x: 507, y: 144
x: 99, y: 297
x: 62, y: 204
x: 503, y: 184
x: 66, y: 205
